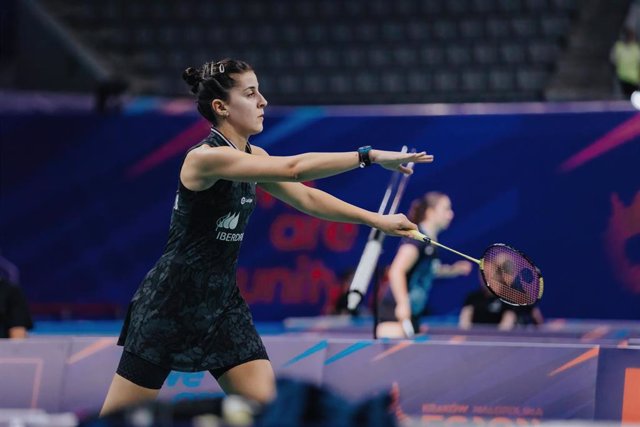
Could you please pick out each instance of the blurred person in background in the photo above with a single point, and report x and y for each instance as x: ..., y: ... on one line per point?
x: 188, y: 314
x: 482, y: 307
x: 625, y: 56
x: 15, y: 318
x: 415, y: 266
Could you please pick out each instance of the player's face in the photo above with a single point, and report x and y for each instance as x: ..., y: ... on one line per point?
x: 442, y: 213
x: 246, y: 104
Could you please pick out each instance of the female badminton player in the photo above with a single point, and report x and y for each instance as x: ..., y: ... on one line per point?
x: 187, y: 314
x: 415, y: 266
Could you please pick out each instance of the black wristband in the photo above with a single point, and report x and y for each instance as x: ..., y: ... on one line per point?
x: 363, y: 156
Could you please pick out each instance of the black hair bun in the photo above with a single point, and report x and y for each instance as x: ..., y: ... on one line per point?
x: 193, y: 77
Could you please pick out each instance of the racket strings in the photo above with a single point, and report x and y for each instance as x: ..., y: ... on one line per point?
x: 510, y: 275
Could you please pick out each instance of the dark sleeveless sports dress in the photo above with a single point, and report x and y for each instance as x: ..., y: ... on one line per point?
x: 187, y: 314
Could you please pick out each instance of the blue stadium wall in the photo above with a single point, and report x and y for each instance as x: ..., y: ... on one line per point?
x: 86, y: 201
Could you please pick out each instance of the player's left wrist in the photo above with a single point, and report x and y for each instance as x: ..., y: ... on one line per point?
x: 364, y: 156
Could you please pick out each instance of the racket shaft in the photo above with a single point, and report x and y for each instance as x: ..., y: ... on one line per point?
x: 419, y: 236
x: 472, y: 259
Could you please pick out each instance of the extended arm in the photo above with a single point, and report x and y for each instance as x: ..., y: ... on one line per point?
x: 458, y: 268
x: 323, y: 205
x: 204, y: 165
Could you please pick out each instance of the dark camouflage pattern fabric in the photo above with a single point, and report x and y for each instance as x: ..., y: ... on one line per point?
x: 188, y: 314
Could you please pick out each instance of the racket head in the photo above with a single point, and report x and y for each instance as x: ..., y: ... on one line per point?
x: 511, y: 276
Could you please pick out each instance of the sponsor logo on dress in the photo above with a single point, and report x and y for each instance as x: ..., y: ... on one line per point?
x: 228, y: 222
x: 246, y: 200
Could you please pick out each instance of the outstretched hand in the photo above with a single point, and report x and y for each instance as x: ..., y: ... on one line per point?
x: 396, y: 161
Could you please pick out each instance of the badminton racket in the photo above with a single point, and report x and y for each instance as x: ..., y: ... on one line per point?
x: 508, y: 273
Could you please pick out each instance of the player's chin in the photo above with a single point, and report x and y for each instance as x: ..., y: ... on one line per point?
x: 256, y: 130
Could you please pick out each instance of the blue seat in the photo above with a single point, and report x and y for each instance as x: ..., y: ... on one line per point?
x: 419, y: 81
x: 510, y: 7
x: 327, y: 56
x: 393, y: 82
x: 366, y: 32
x: 555, y: 27
x: 458, y: 55
x: 316, y: 33
x: 393, y: 32
x: 367, y: 82
x: 484, y: 6
x: 513, y: 53
x: 525, y: 28
x: 474, y: 81
x: 537, y: 6
x: 406, y: 56
x: 457, y: 7
x: 444, y: 30
x: 432, y: 56
x: 502, y: 80
x: 353, y: 57
x: 497, y: 28
x: 445, y: 80
x: 288, y: 83
x: 314, y: 83
x: 531, y: 79
x: 340, y: 83
x: 472, y: 29
x: 290, y: 34
x: 432, y: 7
x: 378, y: 56
x: 543, y: 52
x: 417, y: 30
x: 341, y: 33
x: 302, y: 58
x: 485, y: 53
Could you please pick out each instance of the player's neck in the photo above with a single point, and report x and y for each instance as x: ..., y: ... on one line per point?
x: 232, y: 135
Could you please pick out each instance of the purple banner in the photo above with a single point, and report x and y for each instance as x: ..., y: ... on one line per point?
x: 513, y: 383
x: 474, y: 382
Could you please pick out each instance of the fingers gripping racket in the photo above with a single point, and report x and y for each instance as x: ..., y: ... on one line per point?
x: 508, y: 273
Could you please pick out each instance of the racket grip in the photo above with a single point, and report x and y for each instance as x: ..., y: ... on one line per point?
x: 415, y: 234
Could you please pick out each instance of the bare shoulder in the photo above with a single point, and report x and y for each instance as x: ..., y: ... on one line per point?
x: 259, y: 151
x: 199, y: 166
x: 207, y: 152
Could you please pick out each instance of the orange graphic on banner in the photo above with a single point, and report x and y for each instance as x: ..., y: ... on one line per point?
x: 631, y: 396
x: 97, y: 346
x: 578, y: 360
x: 396, y: 348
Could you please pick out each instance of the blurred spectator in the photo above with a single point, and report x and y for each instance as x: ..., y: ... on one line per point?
x: 625, y: 56
x: 15, y: 318
x: 529, y: 315
x: 482, y: 307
